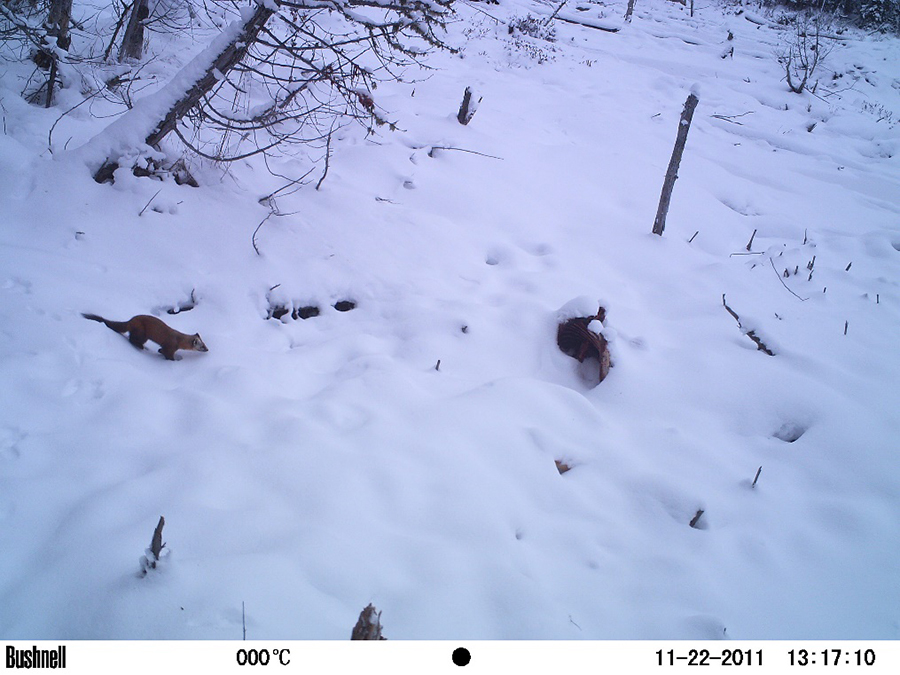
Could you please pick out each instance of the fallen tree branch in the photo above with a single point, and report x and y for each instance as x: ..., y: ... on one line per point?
x: 596, y: 25
x: 760, y: 345
x: 471, y: 152
x: 731, y: 118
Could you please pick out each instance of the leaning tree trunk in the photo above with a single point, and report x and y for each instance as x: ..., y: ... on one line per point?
x: 227, y: 59
x: 219, y: 66
x: 58, y: 20
x: 133, y: 40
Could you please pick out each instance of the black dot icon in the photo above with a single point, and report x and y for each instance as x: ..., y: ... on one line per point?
x: 461, y: 656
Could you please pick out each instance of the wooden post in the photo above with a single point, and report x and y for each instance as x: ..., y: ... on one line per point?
x: 672, y: 172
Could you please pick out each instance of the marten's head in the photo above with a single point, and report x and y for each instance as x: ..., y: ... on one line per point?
x: 197, y: 343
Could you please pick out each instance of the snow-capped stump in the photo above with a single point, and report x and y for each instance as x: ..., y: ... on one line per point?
x: 468, y: 107
x: 368, y: 626
x: 580, y: 337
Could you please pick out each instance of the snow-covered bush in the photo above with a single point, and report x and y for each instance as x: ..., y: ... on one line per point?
x: 527, y: 35
x: 532, y: 26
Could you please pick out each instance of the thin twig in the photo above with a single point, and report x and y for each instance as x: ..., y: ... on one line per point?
x: 253, y: 238
x: 731, y: 118
x: 758, y: 471
x: 327, y: 158
x: 731, y: 311
x: 50, y: 134
x: 148, y: 203
x: 555, y: 12
x: 784, y: 284
x: 490, y: 16
x: 471, y: 152
x: 291, y: 183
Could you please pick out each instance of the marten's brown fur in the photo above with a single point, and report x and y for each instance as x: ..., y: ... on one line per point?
x: 142, y: 327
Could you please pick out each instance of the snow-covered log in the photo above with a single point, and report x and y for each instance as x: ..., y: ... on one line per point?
x: 288, y: 60
x: 140, y: 130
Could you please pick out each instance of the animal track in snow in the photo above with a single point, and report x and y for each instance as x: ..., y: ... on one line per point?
x: 281, y: 311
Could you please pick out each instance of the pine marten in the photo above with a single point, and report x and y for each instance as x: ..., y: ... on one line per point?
x: 142, y: 328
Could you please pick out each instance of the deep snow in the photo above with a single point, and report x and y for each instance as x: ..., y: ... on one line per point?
x: 308, y: 467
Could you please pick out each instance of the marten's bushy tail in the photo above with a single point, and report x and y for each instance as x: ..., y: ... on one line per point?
x: 118, y: 326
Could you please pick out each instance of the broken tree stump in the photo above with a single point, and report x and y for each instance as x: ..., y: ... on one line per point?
x: 467, y: 108
x: 368, y: 627
x: 156, y: 545
x: 153, y: 554
x: 580, y: 342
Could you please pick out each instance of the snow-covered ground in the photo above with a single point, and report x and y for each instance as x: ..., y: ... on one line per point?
x: 306, y: 468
